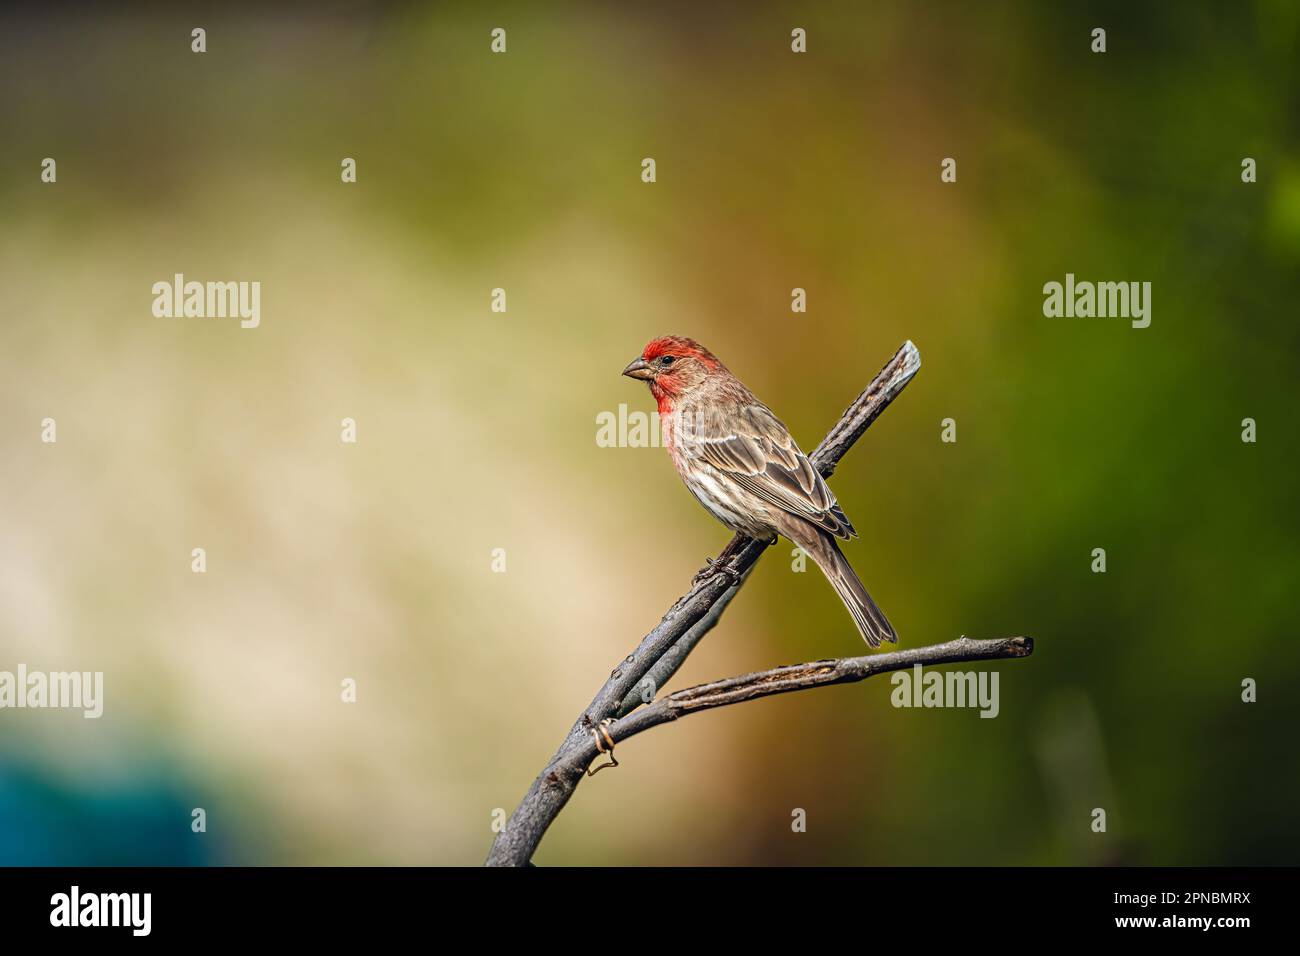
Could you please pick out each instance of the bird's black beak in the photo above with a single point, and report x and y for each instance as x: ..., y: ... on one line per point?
x: 639, y: 368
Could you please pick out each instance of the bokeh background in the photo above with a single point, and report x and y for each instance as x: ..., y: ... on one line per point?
x: 477, y: 430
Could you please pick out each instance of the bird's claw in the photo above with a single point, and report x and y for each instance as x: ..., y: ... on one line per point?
x: 716, y: 567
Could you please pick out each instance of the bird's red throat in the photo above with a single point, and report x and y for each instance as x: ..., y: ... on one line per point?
x: 664, y: 394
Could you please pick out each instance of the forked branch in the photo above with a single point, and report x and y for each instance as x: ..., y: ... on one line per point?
x: 613, y: 711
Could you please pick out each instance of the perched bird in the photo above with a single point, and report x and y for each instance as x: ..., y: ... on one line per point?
x: 739, y: 460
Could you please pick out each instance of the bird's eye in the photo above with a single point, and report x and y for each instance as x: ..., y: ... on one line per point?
x: 666, y: 360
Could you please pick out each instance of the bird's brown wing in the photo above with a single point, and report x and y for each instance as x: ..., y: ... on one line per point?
x: 756, y: 449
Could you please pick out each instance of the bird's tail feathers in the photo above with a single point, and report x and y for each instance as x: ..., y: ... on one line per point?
x: 871, y: 621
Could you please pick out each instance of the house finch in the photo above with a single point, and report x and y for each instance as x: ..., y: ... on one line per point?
x: 739, y: 460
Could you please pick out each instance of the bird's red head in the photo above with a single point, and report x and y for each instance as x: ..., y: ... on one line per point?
x: 678, y: 346
x: 672, y: 365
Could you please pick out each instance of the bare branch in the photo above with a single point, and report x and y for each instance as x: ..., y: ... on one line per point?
x: 866, y: 408
x: 673, y: 658
x: 792, y: 677
x: 681, y: 628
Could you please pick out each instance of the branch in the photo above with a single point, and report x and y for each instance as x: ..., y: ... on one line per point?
x: 663, y: 669
x: 681, y: 628
x: 792, y: 677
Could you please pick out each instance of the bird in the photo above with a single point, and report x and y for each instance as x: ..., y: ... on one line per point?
x: 740, y: 461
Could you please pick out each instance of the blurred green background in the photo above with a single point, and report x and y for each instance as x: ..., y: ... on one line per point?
x: 477, y: 430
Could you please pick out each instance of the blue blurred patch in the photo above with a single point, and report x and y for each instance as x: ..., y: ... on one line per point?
x: 47, y: 820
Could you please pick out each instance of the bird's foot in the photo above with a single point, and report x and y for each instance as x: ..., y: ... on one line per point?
x: 715, y: 566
